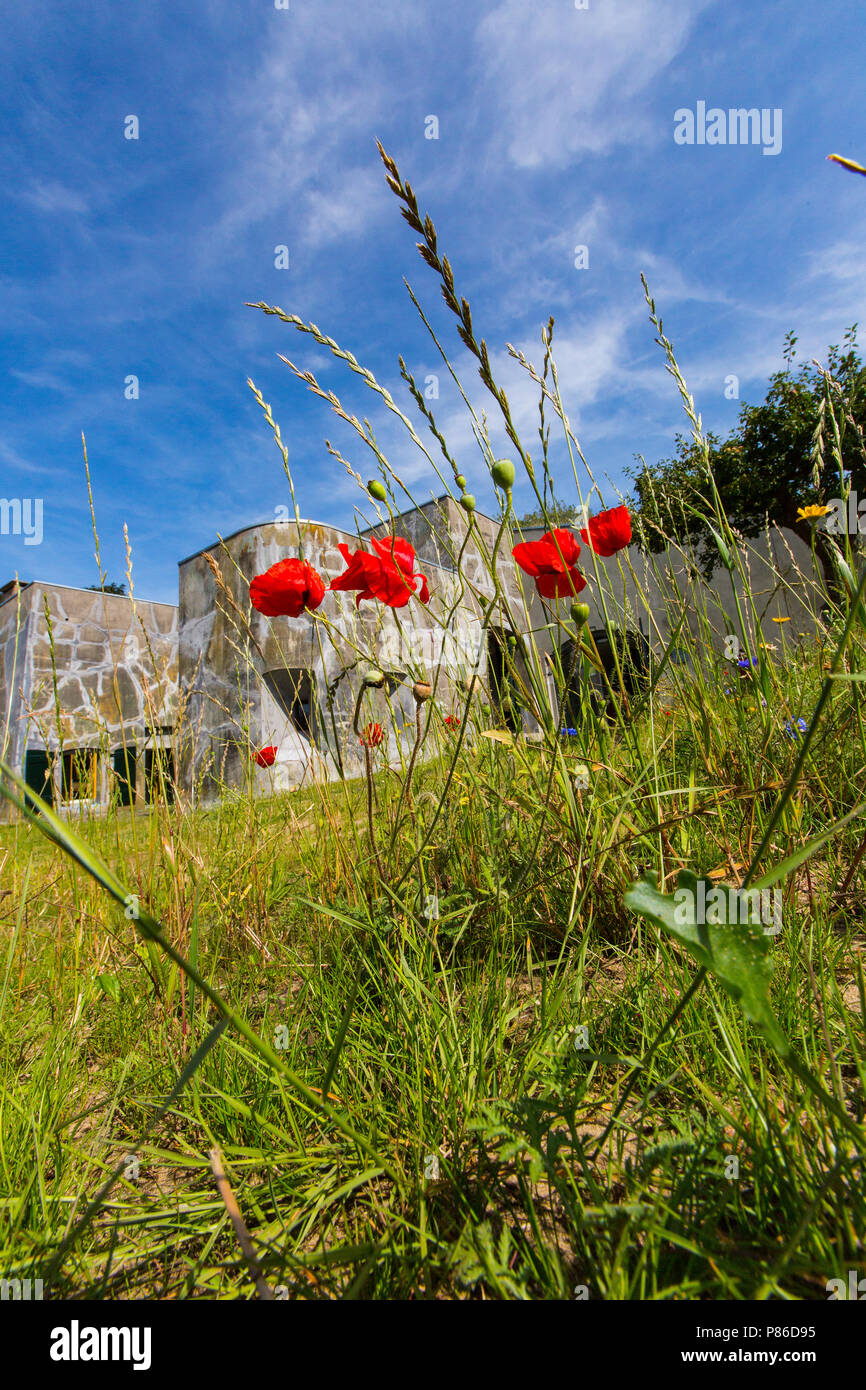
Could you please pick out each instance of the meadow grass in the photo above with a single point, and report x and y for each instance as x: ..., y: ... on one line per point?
x: 530, y: 1090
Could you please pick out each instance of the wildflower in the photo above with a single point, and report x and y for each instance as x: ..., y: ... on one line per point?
x: 781, y: 620
x: 387, y: 576
x: 286, y: 589
x: 746, y: 663
x: 266, y: 757
x: 372, y: 736
x: 451, y: 721
x: 608, y: 532
x: 570, y: 733
x: 554, y: 570
x: 793, y: 730
x: 809, y: 513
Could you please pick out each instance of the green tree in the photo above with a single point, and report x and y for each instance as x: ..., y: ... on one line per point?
x: 109, y: 588
x: 559, y: 512
x: 782, y: 455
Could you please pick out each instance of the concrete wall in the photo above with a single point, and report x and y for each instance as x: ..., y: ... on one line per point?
x: 226, y: 649
x: 782, y: 585
x: 115, y: 668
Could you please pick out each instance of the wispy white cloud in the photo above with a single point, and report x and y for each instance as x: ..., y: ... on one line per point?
x: 50, y: 197
x: 561, y: 82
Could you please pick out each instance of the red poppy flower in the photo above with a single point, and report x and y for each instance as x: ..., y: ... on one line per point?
x: 372, y: 736
x: 387, y: 576
x: 609, y: 532
x: 452, y: 721
x: 287, y: 588
x: 554, y: 570
x: 265, y: 757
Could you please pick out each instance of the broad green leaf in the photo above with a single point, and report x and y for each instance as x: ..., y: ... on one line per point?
x: 110, y: 985
x: 736, y: 953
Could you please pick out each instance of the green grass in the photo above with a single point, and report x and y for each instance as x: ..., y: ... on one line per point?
x: 455, y: 1037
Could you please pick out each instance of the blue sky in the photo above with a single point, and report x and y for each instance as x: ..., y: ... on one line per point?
x: 257, y: 128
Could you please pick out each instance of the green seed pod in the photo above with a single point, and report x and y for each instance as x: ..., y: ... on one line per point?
x: 460, y: 481
x: 377, y: 489
x: 580, y: 613
x: 503, y: 474
x: 467, y: 502
x: 376, y: 679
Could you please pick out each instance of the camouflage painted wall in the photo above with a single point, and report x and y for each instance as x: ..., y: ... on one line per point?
x: 115, y: 665
x: 226, y: 651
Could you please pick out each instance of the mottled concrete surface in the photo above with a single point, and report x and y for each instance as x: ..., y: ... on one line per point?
x: 226, y: 650
x: 110, y: 679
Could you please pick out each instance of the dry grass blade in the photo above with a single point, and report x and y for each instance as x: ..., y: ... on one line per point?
x: 263, y: 1288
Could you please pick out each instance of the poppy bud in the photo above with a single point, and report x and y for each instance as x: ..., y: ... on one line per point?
x: 460, y: 481
x: 422, y: 691
x: 580, y: 613
x: 376, y: 489
x: 503, y: 474
x: 467, y: 502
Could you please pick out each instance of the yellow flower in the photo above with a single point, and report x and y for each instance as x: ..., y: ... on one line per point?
x: 781, y: 620
x: 808, y: 513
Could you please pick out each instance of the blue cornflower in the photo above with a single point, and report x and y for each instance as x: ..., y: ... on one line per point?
x: 571, y: 733
x: 747, y: 662
x: 795, y: 730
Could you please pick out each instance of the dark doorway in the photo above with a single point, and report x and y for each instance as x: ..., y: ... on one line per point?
x: 587, y: 688
x: 501, y: 658
x: 124, y: 761
x: 38, y: 774
x: 159, y: 775
x: 79, y: 773
x: 294, y: 690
